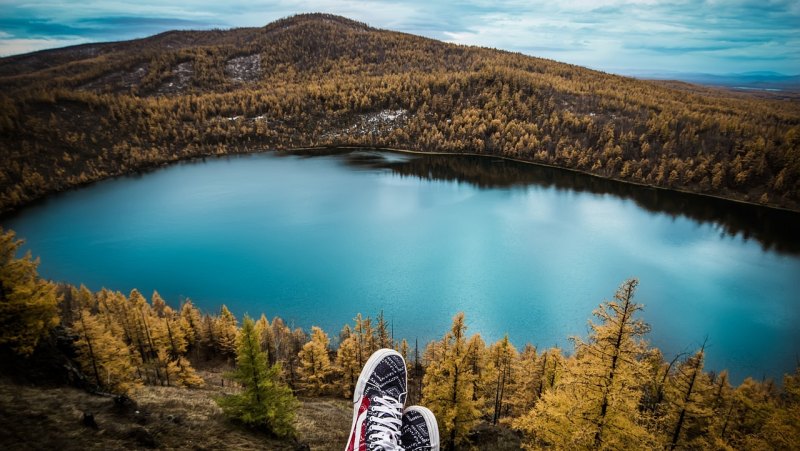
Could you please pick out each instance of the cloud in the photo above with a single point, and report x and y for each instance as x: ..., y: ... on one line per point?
x: 717, y: 36
x: 17, y: 46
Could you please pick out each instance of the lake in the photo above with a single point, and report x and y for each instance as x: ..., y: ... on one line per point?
x: 523, y: 250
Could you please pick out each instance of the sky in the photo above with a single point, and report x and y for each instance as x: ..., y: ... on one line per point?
x: 632, y: 37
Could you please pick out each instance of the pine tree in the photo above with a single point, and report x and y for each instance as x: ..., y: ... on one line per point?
x: 315, y: 364
x: 28, y: 304
x: 449, y: 384
x: 264, y: 400
x: 595, y: 403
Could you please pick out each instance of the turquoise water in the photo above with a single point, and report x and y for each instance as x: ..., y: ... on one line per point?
x: 521, y: 250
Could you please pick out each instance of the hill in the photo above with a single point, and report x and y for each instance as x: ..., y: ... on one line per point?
x: 80, y: 114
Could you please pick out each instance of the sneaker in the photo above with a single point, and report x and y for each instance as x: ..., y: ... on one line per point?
x: 378, y: 403
x: 420, y: 431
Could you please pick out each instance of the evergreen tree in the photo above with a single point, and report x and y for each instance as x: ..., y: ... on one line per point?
x: 28, y: 304
x: 264, y: 400
x: 595, y: 403
x: 315, y: 364
x: 449, y: 385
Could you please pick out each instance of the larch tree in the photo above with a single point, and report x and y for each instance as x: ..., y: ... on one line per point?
x: 595, y: 404
x: 103, y: 356
x: 449, y: 385
x: 382, y: 335
x: 28, y: 304
x: 522, y: 389
x: 265, y: 400
x: 687, y: 418
x: 266, y: 337
x: 497, y: 377
x: 158, y: 304
x: 225, y: 331
x: 191, y: 324
x: 347, y: 364
x: 315, y: 364
x: 178, y: 368
x: 782, y: 428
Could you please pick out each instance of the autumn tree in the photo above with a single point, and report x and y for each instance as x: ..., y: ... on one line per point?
x: 103, y: 356
x: 686, y: 423
x: 225, y: 332
x: 449, y: 385
x: 264, y: 399
x: 347, y: 365
x: 315, y: 364
x: 595, y: 404
x: 28, y: 304
x: 782, y: 427
x: 498, y: 376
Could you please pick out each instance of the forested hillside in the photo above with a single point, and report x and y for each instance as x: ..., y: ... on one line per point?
x: 79, y: 114
x: 611, y: 391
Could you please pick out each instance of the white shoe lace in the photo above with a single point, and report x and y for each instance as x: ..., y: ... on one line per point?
x: 383, y: 430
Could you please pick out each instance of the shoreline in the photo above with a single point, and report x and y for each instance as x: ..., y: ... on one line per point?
x: 10, y: 212
x: 534, y: 163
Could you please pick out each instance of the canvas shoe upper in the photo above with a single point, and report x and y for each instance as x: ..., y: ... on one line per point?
x: 378, y: 403
x: 419, y: 431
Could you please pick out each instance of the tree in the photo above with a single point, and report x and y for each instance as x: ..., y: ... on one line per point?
x: 315, y: 364
x: 523, y: 388
x: 28, y: 304
x: 225, y: 332
x: 347, y: 363
x: 449, y: 385
x: 782, y: 428
x: 103, y: 356
x: 382, y: 338
x: 687, y: 418
x: 595, y: 404
x: 498, y: 376
x: 264, y: 399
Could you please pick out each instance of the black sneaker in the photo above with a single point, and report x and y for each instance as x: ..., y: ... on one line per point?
x: 420, y: 431
x: 378, y: 403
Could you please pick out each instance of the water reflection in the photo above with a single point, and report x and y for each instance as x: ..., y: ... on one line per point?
x: 773, y: 229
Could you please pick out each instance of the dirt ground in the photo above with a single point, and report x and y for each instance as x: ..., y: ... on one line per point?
x: 65, y: 418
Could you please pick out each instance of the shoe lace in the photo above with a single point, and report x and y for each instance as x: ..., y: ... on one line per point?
x: 383, y: 431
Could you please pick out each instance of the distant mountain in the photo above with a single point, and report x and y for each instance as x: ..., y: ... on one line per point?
x: 79, y: 114
x: 768, y: 81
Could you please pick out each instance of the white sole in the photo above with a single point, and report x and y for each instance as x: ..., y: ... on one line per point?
x: 369, y: 367
x: 430, y: 422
